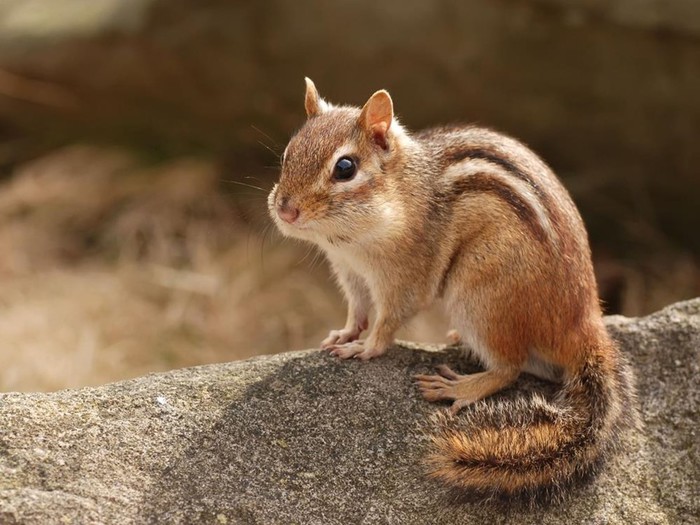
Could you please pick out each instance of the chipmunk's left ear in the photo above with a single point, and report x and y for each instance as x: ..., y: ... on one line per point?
x: 376, y: 117
x: 313, y: 102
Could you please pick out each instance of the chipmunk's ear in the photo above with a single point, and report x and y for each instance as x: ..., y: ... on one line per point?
x: 376, y: 117
x: 313, y: 103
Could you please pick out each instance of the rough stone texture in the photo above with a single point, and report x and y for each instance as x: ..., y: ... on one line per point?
x: 303, y: 438
x: 605, y: 91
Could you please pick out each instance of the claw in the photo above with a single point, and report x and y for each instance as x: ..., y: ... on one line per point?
x: 355, y: 350
x: 347, y: 350
x: 447, y: 372
x: 434, y: 381
x: 464, y: 389
x: 435, y: 385
x: 339, y: 337
x: 438, y: 387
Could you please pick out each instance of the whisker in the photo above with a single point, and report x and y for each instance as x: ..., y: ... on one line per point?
x: 311, y: 248
x: 251, y: 196
x: 244, y: 184
x: 262, y: 241
x: 268, y: 148
x: 274, y: 142
x: 315, y: 260
x: 266, y: 232
x: 247, y: 241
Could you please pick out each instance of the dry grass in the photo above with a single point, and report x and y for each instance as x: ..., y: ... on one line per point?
x: 110, y: 270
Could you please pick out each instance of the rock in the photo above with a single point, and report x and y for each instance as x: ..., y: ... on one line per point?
x: 304, y: 438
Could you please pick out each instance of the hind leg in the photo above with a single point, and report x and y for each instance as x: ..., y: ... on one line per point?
x: 464, y: 389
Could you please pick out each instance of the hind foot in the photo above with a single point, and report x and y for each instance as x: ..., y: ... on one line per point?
x: 463, y: 390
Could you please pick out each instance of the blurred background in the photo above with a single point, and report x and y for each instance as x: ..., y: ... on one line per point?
x: 138, y: 140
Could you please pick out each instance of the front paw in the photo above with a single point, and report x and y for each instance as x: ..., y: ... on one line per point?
x: 339, y: 337
x: 357, y: 350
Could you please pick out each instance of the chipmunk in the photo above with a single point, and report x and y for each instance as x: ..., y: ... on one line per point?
x: 475, y: 218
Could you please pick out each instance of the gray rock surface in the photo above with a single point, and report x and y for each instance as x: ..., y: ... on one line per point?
x: 303, y: 438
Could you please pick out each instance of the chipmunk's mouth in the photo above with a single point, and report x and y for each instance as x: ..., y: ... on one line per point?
x: 299, y: 226
x: 295, y: 224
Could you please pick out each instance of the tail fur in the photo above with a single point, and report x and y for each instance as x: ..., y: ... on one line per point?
x: 532, y: 449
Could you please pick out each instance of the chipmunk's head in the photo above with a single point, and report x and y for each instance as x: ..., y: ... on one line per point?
x: 336, y: 182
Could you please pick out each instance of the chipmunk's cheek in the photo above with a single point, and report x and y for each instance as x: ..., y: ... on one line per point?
x: 391, y: 218
x: 271, y: 198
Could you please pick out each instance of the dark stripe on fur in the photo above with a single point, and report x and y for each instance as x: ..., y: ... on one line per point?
x: 497, y: 158
x: 487, y: 183
x: 448, y: 269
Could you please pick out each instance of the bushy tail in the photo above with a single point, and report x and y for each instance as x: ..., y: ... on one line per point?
x: 531, y: 449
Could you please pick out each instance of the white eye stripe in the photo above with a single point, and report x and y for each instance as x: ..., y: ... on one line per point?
x: 346, y: 150
x: 359, y: 179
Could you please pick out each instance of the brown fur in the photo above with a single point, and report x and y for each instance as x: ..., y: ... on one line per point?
x: 475, y: 218
x: 484, y: 183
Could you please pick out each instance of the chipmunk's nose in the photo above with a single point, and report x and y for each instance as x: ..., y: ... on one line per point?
x: 286, y: 211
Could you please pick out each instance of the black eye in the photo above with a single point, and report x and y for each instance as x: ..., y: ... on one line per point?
x: 344, y: 169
